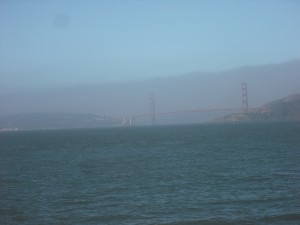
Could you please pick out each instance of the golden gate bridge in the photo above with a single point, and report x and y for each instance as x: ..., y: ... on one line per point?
x: 152, y: 114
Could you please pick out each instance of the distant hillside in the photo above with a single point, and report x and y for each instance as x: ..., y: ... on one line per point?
x: 183, y: 92
x: 31, y: 121
x: 286, y: 109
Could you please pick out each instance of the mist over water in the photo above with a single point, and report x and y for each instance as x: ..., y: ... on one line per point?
x: 185, y: 92
x: 105, y: 57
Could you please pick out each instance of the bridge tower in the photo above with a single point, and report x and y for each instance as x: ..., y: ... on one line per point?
x: 152, y: 110
x: 131, y: 121
x: 244, y: 98
x: 128, y: 121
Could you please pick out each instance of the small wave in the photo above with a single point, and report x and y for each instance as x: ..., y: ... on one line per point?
x: 210, y: 222
x: 109, y: 218
x: 287, y: 174
x: 292, y: 217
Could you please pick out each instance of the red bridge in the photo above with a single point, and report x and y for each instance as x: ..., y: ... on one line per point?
x: 152, y: 114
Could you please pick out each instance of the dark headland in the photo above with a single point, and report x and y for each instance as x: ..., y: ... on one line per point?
x: 285, y: 109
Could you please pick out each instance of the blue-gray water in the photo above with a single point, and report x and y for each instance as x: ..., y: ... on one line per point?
x: 196, y: 174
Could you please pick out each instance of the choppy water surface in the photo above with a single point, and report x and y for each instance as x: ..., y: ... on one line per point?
x: 196, y: 174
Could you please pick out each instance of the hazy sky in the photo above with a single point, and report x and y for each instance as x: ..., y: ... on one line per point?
x: 57, y: 43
